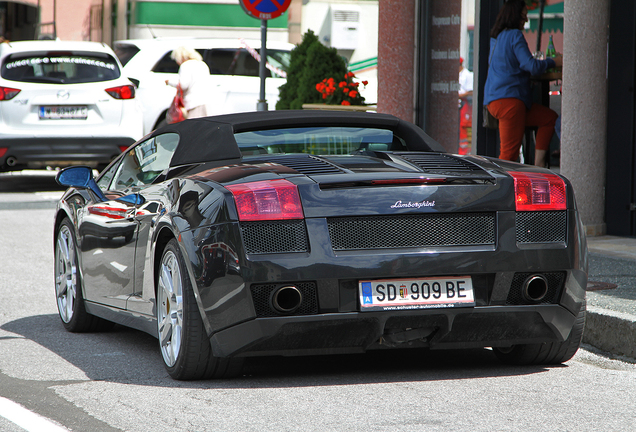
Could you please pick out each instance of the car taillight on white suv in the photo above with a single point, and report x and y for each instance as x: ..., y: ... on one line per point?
x: 7, y: 93
x: 122, y: 92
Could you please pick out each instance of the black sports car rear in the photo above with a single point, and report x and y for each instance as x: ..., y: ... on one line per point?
x: 297, y: 233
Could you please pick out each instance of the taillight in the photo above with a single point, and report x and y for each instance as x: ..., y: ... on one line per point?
x: 123, y: 148
x: 3, y: 151
x: 108, y: 211
x: 122, y: 92
x: 7, y: 93
x: 267, y: 200
x: 536, y: 192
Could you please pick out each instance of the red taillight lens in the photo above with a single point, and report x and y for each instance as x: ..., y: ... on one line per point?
x: 267, y: 200
x: 123, y: 148
x: 536, y: 192
x: 108, y: 211
x: 7, y: 93
x: 122, y: 92
x: 3, y: 150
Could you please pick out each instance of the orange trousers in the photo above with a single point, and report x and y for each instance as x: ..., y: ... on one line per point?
x: 514, y: 118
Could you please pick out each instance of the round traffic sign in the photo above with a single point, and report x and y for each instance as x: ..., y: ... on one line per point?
x: 265, y: 9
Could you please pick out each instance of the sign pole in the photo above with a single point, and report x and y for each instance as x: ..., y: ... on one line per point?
x: 264, y: 10
x: 262, y: 102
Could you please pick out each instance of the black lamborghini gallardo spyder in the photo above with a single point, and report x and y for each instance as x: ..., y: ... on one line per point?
x: 305, y: 233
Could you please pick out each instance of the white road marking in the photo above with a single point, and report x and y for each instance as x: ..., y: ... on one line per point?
x: 26, y: 419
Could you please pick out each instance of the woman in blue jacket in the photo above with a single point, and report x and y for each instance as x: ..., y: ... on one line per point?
x: 507, y: 93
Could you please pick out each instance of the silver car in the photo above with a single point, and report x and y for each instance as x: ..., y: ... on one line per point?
x: 64, y: 103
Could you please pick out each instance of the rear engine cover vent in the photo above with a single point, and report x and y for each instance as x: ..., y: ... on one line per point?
x: 441, y: 163
x: 307, y: 164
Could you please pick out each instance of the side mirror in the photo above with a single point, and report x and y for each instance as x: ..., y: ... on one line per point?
x: 79, y: 177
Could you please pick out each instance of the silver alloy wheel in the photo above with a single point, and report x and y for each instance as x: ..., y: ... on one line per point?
x: 170, y: 308
x: 66, y: 285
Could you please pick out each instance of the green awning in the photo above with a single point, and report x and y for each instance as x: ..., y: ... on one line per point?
x: 552, y: 19
x: 198, y: 14
x: 363, y: 64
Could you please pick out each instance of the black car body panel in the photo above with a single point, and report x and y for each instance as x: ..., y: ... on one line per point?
x: 373, y: 214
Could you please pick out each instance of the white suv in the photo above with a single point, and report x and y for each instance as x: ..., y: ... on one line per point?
x: 64, y: 103
x: 234, y: 73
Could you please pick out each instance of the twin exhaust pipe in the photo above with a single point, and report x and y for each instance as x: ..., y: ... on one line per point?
x: 286, y: 299
x: 535, y: 288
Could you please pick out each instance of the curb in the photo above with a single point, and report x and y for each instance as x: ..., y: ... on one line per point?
x: 610, y: 331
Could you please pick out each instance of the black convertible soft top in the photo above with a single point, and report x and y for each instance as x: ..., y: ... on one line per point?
x: 212, y: 138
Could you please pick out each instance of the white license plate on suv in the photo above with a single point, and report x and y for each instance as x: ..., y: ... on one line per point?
x: 63, y: 112
x: 424, y: 293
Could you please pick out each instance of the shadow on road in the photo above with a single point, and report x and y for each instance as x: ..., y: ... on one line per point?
x: 29, y: 181
x: 124, y: 355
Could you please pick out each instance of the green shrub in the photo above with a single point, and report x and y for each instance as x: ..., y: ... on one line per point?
x: 311, y: 62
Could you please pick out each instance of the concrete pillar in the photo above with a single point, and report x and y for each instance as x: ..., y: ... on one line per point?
x: 107, y: 22
x: 584, y: 107
x: 122, y: 20
x: 396, y: 58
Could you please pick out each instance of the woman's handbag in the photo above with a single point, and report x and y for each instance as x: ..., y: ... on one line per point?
x: 177, y: 112
x: 490, y: 122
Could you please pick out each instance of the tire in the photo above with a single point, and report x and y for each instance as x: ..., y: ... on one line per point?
x: 546, y: 353
x: 68, y: 285
x: 184, y: 343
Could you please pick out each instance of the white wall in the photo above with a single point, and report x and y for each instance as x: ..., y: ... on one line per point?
x: 315, y: 13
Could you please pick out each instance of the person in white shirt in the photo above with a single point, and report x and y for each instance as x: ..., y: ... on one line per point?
x: 465, y: 108
x: 194, y: 78
x: 465, y: 80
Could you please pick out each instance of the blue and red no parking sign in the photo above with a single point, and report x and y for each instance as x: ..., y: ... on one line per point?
x: 265, y: 9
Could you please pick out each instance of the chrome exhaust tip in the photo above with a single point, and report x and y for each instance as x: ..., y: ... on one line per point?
x: 535, y: 288
x: 286, y: 299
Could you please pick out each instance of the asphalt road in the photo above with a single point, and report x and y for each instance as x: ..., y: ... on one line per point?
x: 115, y: 381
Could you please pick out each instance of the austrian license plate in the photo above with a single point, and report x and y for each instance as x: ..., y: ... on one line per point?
x: 63, y: 112
x: 424, y: 293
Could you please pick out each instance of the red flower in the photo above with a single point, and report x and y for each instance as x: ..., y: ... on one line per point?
x: 345, y: 102
x: 353, y: 93
x: 365, y: 82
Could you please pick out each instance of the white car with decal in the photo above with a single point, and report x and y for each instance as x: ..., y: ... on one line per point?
x: 64, y: 103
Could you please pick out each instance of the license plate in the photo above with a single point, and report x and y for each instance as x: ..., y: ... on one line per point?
x: 63, y: 112
x: 424, y: 293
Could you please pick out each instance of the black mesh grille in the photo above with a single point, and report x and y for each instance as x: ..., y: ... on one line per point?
x: 275, y: 236
x: 386, y: 232
x: 541, y: 226
x: 261, y: 296
x: 555, y: 282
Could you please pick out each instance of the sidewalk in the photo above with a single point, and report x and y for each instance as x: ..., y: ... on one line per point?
x: 611, y: 316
